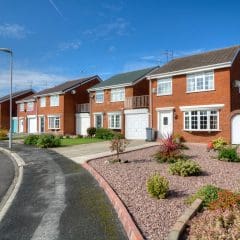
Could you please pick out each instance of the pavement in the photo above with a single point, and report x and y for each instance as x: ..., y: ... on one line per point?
x: 59, y: 200
x: 84, y: 152
x: 7, y: 172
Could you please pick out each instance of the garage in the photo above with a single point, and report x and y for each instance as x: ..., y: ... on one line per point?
x: 235, y: 129
x: 136, y: 122
x: 82, y: 123
x: 32, y: 124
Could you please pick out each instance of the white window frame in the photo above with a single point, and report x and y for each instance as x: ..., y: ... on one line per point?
x: 95, y: 115
x: 30, y: 108
x: 198, y: 120
x: 42, y: 101
x: 101, y: 93
x: 118, y: 92
x: 21, y: 107
x: 113, y: 115
x: 164, y: 81
x: 54, y: 100
x: 55, y: 117
x: 193, y: 77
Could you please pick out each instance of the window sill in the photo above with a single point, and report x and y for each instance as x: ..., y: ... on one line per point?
x: 99, y: 102
x: 53, y: 128
x: 202, y: 130
x: 166, y: 94
x: 115, y: 128
x: 117, y: 101
x: 210, y: 90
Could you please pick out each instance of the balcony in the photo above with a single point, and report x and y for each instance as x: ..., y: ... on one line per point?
x: 136, y: 102
x: 82, y: 108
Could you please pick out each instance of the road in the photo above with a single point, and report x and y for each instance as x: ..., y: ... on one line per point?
x: 59, y: 200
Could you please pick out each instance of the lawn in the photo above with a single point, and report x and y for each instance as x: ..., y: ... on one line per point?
x: 76, y: 141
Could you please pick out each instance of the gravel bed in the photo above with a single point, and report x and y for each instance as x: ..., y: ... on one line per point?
x: 156, y: 217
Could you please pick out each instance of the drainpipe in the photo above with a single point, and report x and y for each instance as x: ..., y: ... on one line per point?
x: 150, y: 103
x: 37, y: 116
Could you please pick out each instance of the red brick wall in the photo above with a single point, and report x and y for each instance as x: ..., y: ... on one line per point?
x: 220, y: 95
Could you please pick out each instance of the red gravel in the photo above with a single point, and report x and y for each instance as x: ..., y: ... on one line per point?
x: 156, y: 217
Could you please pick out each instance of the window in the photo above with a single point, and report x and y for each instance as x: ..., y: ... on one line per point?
x: 30, y: 106
x: 99, y: 97
x: 98, y: 120
x: 42, y: 102
x: 53, y: 122
x: 201, y: 120
x: 54, y: 101
x: 21, y: 107
x: 114, y: 121
x: 200, y: 82
x: 117, y: 94
x: 164, y: 86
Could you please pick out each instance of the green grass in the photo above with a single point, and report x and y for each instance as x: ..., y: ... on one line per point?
x: 76, y: 141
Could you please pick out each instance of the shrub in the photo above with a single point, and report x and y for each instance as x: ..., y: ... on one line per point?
x: 48, y: 141
x: 185, y: 168
x: 228, y: 154
x: 226, y: 199
x: 157, y: 186
x: 208, y: 194
x: 219, y: 143
x: 91, y: 131
x: 104, y: 133
x: 31, y: 139
x: 3, y: 134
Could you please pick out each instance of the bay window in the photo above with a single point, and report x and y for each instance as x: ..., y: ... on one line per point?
x: 117, y: 95
x: 164, y: 86
x: 114, y: 120
x: 53, y: 122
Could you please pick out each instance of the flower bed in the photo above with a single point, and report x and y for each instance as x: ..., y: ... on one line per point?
x: 155, y: 216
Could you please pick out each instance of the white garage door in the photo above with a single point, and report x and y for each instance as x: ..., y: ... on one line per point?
x: 82, y: 123
x: 236, y: 129
x: 136, y: 122
x: 32, y: 125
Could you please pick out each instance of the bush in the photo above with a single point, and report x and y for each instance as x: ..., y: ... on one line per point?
x: 31, y: 139
x: 104, y: 133
x: 3, y: 134
x: 208, y: 194
x: 219, y: 143
x: 226, y: 199
x: 91, y: 131
x: 157, y: 186
x: 228, y: 154
x: 48, y: 141
x: 185, y: 168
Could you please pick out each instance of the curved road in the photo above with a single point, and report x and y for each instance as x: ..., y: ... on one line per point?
x: 59, y: 200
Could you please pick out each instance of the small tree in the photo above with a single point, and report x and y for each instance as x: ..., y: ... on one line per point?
x: 118, y: 144
x: 91, y: 131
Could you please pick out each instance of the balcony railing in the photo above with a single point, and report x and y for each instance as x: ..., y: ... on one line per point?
x: 82, y: 108
x: 136, y: 102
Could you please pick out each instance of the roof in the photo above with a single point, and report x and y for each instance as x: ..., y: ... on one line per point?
x: 15, y: 95
x: 216, y: 57
x: 123, y: 78
x: 66, y: 86
x: 27, y: 99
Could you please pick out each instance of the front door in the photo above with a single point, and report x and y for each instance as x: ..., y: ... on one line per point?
x: 21, y: 122
x: 165, y: 123
x: 41, y: 124
x: 236, y: 129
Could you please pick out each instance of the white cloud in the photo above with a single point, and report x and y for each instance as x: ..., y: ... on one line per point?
x: 76, y: 44
x: 13, y: 31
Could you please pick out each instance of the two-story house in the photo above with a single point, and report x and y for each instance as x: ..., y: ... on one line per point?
x: 5, y: 109
x: 198, y: 96
x: 55, y: 110
x: 121, y: 103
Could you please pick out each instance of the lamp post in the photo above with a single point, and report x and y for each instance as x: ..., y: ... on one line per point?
x: 9, y: 51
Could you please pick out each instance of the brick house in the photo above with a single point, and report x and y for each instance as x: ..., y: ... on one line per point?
x: 5, y: 105
x: 198, y: 96
x: 57, y: 109
x: 121, y: 103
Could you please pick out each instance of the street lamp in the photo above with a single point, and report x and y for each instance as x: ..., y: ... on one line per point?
x: 9, y: 51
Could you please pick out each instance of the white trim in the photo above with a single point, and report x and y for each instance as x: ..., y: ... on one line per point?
x: 136, y: 111
x: 94, y: 119
x: 201, y: 107
x: 99, y: 92
x: 112, y: 113
x: 97, y: 113
x: 25, y: 101
x: 54, y: 115
x: 165, y: 109
x: 49, y: 94
x: 31, y: 116
x: 82, y: 114
x: 110, y: 87
x: 39, y: 123
x: 190, y: 70
x: 124, y: 94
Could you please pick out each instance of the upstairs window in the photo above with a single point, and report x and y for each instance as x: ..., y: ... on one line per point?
x: 54, y: 101
x: 117, y: 95
x: 30, y: 106
x: 200, y: 82
x: 164, y: 86
x: 99, y: 97
x: 21, y: 107
x: 43, y: 102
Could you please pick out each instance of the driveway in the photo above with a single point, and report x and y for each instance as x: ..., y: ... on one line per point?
x: 6, y: 174
x: 59, y: 200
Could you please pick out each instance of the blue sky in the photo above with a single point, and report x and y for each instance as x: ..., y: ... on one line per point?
x: 57, y: 40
